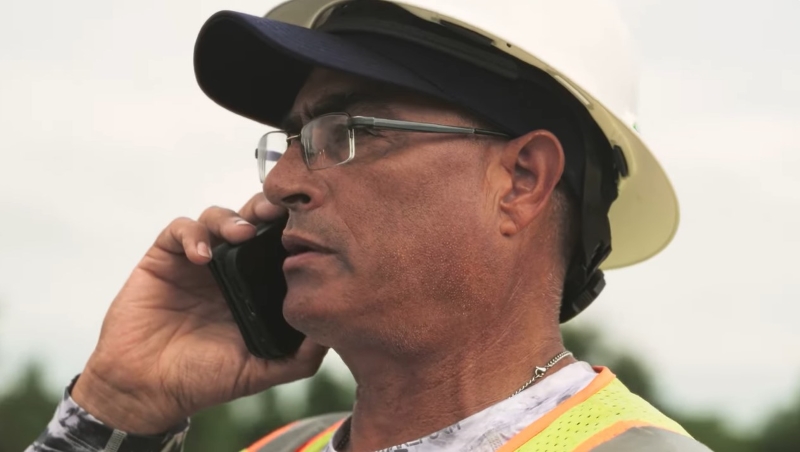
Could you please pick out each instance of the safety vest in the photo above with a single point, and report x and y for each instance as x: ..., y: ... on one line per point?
x: 603, y: 417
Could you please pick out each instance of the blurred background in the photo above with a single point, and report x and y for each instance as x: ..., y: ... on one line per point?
x: 105, y: 137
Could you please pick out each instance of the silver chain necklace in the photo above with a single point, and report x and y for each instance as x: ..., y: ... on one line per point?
x: 538, y: 374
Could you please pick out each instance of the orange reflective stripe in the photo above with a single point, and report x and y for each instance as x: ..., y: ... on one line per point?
x: 609, y: 434
x: 260, y: 443
x: 603, y: 378
x: 309, y: 446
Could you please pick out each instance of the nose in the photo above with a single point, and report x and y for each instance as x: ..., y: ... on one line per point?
x: 292, y: 185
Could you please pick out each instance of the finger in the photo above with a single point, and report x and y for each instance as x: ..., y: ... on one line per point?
x: 259, y: 210
x: 305, y: 363
x: 227, y: 225
x: 186, y: 236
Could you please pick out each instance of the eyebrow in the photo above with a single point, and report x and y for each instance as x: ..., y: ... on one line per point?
x: 334, y: 103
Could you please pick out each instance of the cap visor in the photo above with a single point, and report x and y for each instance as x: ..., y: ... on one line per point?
x: 255, y: 67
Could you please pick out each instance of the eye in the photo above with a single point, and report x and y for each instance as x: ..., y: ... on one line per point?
x: 366, y: 132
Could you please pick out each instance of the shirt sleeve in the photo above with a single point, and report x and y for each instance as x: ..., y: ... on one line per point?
x: 72, y: 429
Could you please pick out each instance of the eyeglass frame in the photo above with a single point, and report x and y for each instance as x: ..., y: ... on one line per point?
x: 370, y: 122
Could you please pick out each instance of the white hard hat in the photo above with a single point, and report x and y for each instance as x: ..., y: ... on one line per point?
x: 585, y: 47
x: 521, y: 65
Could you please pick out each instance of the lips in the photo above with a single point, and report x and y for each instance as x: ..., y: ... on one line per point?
x: 296, y: 245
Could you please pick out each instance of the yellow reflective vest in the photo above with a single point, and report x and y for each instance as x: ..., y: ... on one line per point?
x: 603, y: 417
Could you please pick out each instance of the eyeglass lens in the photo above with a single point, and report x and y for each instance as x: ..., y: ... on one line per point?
x: 325, y: 142
x: 270, y: 148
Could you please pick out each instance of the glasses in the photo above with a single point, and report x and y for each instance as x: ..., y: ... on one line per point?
x: 330, y: 140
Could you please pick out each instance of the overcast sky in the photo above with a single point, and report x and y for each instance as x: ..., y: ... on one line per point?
x: 105, y: 137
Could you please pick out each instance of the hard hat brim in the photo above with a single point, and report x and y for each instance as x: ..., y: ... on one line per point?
x: 645, y: 216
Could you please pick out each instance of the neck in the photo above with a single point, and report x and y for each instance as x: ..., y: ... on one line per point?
x: 403, y: 398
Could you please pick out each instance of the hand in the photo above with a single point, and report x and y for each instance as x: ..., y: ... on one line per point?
x: 169, y: 346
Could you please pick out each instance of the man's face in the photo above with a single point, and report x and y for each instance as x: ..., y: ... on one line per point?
x: 410, y: 222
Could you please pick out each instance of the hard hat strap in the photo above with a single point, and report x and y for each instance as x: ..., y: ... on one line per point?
x: 584, y: 280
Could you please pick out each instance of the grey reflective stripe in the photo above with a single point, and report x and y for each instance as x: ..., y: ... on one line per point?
x: 301, y: 432
x: 651, y: 439
x: 115, y: 441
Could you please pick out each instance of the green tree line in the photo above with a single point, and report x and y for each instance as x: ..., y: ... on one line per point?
x: 27, y: 405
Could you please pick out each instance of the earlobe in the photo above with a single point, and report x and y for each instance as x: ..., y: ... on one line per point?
x: 534, y: 163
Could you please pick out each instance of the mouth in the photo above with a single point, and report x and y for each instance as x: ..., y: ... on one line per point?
x: 302, y: 253
x: 296, y: 246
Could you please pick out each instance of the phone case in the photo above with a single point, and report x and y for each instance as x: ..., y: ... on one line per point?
x: 250, y: 276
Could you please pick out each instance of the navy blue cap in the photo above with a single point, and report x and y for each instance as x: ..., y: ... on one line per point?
x: 255, y: 66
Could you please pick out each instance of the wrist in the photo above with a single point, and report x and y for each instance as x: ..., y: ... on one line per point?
x: 119, y: 409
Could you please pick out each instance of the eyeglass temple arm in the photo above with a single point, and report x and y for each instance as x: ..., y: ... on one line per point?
x: 394, y: 124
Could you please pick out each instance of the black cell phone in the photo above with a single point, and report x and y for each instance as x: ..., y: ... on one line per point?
x: 250, y: 276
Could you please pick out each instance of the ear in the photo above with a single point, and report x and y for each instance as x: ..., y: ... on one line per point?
x: 532, y: 164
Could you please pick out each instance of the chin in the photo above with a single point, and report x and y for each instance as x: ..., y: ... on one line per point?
x: 313, y: 310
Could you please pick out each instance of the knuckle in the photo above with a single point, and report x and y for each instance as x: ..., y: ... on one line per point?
x: 180, y: 223
x: 216, y: 214
x: 184, y: 227
x: 210, y: 211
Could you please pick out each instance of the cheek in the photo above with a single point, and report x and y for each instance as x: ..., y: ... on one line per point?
x: 418, y: 232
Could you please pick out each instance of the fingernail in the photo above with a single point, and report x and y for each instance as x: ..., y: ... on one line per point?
x: 202, y: 249
x: 243, y: 223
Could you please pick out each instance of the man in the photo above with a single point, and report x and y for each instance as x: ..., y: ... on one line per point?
x: 435, y: 248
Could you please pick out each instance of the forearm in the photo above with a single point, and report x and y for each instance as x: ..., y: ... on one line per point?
x: 72, y: 429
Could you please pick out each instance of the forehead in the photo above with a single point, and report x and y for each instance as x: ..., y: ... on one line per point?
x: 326, y: 91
